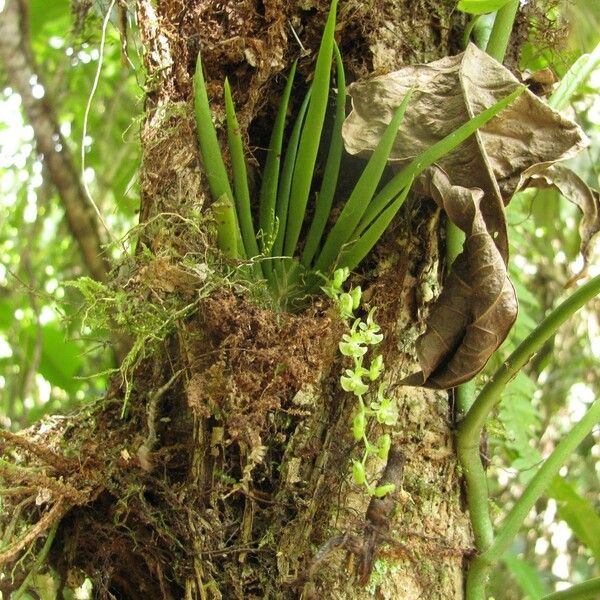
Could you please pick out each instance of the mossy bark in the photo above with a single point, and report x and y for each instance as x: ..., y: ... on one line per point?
x: 294, y: 501
x: 230, y: 476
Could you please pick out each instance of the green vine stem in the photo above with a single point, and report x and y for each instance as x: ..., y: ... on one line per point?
x: 469, y: 433
x: 588, y: 590
x: 500, y: 35
x: 471, y: 427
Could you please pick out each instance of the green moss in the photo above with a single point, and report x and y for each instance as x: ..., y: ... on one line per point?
x: 382, y: 569
x: 134, y: 315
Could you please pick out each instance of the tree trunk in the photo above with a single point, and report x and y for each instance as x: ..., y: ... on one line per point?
x: 230, y: 475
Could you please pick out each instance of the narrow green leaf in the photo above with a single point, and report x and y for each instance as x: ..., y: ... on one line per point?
x: 332, y: 167
x: 210, y: 150
x: 214, y: 166
x: 575, y: 77
x: 528, y: 578
x: 311, y: 136
x: 586, y: 590
x: 270, y: 178
x: 240, y: 177
x: 285, y: 183
x: 362, y: 193
x: 430, y: 156
x: 355, y: 253
x: 480, y: 7
x: 227, y: 229
x: 579, y: 514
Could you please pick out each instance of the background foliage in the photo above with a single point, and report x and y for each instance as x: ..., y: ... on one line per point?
x: 46, y: 361
x: 49, y: 364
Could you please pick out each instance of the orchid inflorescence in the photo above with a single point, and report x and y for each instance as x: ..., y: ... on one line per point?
x: 359, y: 379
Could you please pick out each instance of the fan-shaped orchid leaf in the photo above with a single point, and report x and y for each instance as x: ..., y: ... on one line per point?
x: 240, y: 177
x: 310, y: 137
x: 332, y: 167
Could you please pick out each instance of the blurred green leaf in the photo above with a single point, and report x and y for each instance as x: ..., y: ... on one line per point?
x: 60, y: 359
x: 579, y: 514
x: 528, y: 578
x: 49, y: 18
x: 572, y: 81
x: 6, y: 314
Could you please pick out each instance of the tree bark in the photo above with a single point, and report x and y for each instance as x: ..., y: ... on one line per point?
x: 230, y: 478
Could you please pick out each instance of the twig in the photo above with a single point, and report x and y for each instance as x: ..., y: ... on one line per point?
x: 146, y: 448
x: 62, y: 490
x: 12, y: 525
x: 46, y: 521
x: 20, y: 490
x: 59, y: 462
x: 39, y: 561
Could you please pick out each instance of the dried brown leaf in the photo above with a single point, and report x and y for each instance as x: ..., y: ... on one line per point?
x: 574, y: 189
x: 525, y: 138
x: 478, y: 304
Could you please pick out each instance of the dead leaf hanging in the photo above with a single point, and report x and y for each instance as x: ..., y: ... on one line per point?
x: 524, y: 139
x: 574, y: 189
x: 478, y: 304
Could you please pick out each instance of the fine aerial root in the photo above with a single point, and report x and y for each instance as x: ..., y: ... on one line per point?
x: 37, y: 488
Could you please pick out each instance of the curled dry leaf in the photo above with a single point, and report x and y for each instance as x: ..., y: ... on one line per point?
x: 574, y: 189
x: 524, y: 139
x: 478, y: 304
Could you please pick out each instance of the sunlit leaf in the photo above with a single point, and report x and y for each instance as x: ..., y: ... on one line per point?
x: 480, y: 7
x: 575, y: 77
